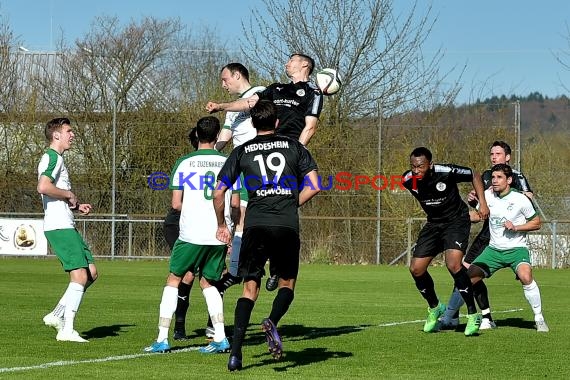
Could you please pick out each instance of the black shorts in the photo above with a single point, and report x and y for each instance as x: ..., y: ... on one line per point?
x: 437, y: 237
x: 280, y: 245
x: 479, y: 244
x: 171, y: 227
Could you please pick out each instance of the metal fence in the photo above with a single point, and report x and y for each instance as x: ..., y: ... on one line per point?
x: 116, y: 153
x: 138, y: 237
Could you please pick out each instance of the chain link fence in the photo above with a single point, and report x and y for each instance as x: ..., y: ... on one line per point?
x: 349, y: 222
x: 139, y: 237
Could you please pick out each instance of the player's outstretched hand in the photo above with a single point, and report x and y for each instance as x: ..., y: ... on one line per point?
x: 223, y: 235
x: 212, y: 107
x: 483, y: 210
x: 472, y: 198
x: 85, y: 208
x: 509, y: 225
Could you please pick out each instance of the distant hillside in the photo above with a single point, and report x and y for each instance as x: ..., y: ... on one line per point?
x: 537, y: 111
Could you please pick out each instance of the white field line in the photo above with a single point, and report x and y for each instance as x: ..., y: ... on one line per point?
x: 177, y: 351
x: 423, y: 320
x: 100, y: 360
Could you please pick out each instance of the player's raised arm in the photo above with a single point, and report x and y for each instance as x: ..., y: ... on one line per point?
x: 223, y: 138
x: 238, y: 105
x: 309, y: 130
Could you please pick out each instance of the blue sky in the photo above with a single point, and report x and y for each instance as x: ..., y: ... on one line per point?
x: 507, y: 45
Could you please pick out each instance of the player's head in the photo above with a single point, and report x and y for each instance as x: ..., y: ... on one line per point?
x: 501, y: 177
x: 420, y: 162
x: 207, y: 129
x: 234, y: 76
x: 59, y: 131
x: 500, y: 153
x: 193, y: 137
x: 298, y: 62
x: 264, y: 115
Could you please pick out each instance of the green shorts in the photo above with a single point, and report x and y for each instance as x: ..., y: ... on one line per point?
x: 491, y: 259
x: 70, y: 248
x: 209, y: 260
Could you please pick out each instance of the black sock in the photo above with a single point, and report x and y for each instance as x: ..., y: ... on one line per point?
x: 226, y: 281
x: 482, y: 297
x: 281, y: 304
x: 182, y: 305
x: 425, y: 285
x: 463, y: 284
x: 242, y: 314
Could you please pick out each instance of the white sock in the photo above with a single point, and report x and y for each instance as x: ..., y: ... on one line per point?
x: 532, y: 295
x: 167, y: 309
x: 73, y: 296
x: 216, y: 311
x: 454, y: 304
x: 60, y: 307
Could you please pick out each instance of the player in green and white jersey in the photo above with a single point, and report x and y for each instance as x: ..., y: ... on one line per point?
x: 59, y: 202
x: 511, y: 216
x: 197, y: 249
x: 239, y: 128
x: 237, y: 125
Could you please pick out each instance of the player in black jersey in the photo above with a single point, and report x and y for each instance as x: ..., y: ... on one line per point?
x: 280, y: 175
x: 447, y: 230
x: 299, y: 104
x: 500, y: 153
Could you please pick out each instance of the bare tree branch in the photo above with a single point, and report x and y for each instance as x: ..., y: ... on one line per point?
x: 377, y: 51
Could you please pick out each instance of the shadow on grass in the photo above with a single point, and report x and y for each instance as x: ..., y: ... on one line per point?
x: 507, y: 322
x: 104, y: 331
x: 293, y: 359
x: 292, y: 333
x: 516, y: 322
x: 255, y: 336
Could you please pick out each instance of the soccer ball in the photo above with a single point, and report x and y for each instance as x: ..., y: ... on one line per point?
x: 328, y: 81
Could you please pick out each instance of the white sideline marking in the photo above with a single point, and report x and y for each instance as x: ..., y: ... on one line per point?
x: 423, y: 320
x: 100, y: 360
x: 176, y: 351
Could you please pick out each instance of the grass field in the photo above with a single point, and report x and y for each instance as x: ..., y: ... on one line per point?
x: 346, y: 322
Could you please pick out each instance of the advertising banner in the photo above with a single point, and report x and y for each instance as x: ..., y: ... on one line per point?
x: 22, y: 237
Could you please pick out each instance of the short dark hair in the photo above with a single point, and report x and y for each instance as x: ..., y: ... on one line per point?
x: 506, y: 147
x: 307, y: 59
x: 264, y: 115
x: 237, y: 67
x: 193, y: 137
x: 506, y: 169
x: 207, y: 129
x: 421, y: 151
x: 55, y: 125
